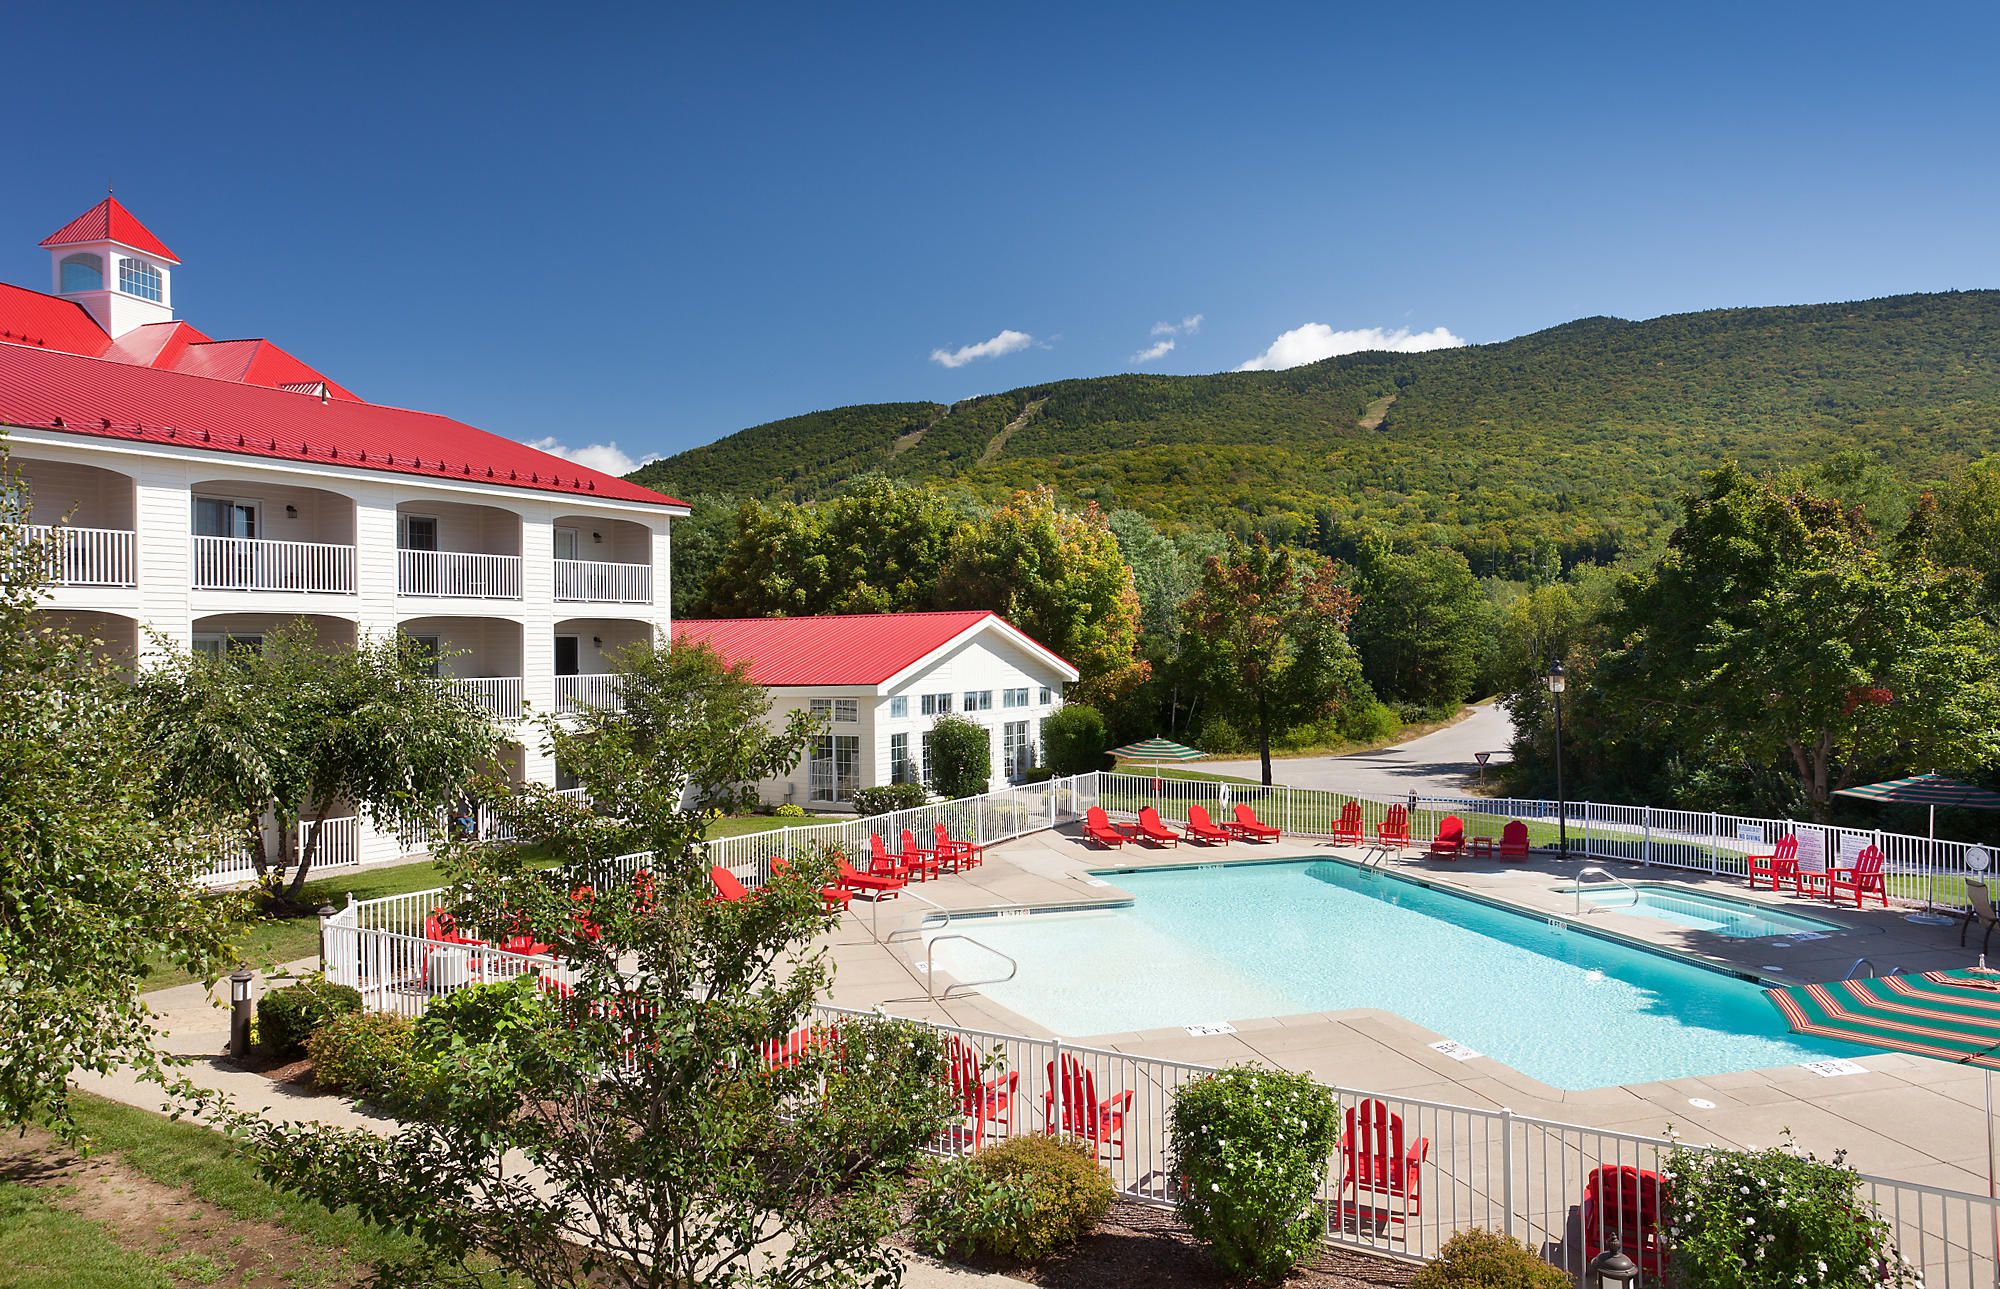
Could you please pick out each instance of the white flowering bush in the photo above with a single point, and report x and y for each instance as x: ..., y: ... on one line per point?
x: 1250, y: 1150
x: 1773, y: 1219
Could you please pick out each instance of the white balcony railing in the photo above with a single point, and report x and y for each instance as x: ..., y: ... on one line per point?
x: 257, y: 564
x: 500, y: 695
x: 574, y: 693
x: 602, y: 583
x: 478, y: 577
x: 86, y: 556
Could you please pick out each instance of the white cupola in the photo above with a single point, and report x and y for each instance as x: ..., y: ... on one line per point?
x: 111, y: 264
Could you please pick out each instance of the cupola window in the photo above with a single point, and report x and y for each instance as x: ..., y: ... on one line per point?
x: 136, y: 277
x: 82, y: 272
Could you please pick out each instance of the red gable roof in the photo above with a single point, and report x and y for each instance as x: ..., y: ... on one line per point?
x: 40, y: 389
x: 253, y: 362
x: 838, y: 648
x: 108, y: 221
x: 156, y: 344
x: 48, y: 322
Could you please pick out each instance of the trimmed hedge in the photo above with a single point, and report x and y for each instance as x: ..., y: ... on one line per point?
x: 1021, y: 1200
x: 363, y: 1054
x: 1481, y: 1259
x: 286, y: 1017
x: 889, y: 798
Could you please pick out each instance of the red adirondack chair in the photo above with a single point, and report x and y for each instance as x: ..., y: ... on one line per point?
x: 442, y: 927
x: 980, y: 1099
x: 1097, y: 827
x: 1203, y: 829
x: 924, y: 863
x: 728, y: 890
x: 1860, y: 881
x: 1449, y: 842
x: 1249, y: 827
x: 1152, y: 830
x: 881, y: 863
x: 1082, y: 1114
x: 1347, y: 829
x: 881, y: 888
x: 1625, y: 1200
x: 1375, y: 1158
x: 1394, y: 830
x: 835, y: 898
x: 1781, y: 864
x: 964, y: 854
x: 1514, y: 840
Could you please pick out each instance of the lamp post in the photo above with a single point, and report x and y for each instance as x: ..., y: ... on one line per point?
x: 239, y: 1013
x: 1556, y: 686
x: 1611, y: 1269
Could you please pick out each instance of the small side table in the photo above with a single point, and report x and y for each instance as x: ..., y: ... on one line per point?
x: 1482, y: 848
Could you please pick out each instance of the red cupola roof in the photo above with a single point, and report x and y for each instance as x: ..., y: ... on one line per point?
x: 108, y: 221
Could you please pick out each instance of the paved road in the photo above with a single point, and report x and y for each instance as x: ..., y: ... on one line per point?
x: 1440, y: 762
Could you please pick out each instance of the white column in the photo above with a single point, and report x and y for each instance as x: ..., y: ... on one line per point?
x: 163, y: 517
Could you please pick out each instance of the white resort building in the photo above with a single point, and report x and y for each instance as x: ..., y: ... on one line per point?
x: 202, y: 491
x: 882, y: 680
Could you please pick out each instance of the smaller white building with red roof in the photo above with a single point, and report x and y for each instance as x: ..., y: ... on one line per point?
x: 881, y: 680
x: 197, y: 493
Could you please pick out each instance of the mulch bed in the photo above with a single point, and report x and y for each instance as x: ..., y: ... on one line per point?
x: 1139, y: 1244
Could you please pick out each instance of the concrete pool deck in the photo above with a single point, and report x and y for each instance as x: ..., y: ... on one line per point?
x: 1901, y: 1116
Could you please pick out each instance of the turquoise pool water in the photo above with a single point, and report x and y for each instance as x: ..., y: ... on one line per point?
x: 1737, y: 919
x: 1228, y: 943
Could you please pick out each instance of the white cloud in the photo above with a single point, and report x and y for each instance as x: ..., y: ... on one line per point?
x: 608, y: 457
x: 1316, y: 340
x: 1007, y: 342
x: 1158, y: 349
x: 1186, y: 326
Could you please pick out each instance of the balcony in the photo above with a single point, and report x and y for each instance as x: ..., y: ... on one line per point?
x: 498, y: 695
x: 458, y: 573
x: 259, y: 564
x: 86, y: 556
x: 576, y: 693
x: 598, y: 582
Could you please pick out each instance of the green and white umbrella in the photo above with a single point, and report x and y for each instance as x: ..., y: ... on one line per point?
x: 1931, y: 790
x: 1157, y: 749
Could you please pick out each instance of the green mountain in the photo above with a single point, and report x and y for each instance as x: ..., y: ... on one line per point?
x: 1573, y: 440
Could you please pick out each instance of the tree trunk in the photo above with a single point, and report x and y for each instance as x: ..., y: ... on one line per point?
x: 310, y: 852
x: 1264, y: 737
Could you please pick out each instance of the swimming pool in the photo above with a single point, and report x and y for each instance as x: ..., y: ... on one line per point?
x: 1737, y: 919
x: 1231, y: 942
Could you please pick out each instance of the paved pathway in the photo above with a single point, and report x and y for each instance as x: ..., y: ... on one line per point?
x: 1439, y: 763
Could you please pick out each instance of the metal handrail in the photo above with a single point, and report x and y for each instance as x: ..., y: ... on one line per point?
x: 930, y: 974
x: 875, y: 918
x: 1582, y: 873
x: 1869, y: 963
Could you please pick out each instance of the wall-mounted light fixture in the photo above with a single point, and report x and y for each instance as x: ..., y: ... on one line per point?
x: 597, y: 537
x: 291, y: 512
x: 597, y: 641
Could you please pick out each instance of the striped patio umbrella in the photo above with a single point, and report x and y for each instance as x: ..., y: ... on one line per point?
x: 1946, y: 1015
x: 1931, y: 790
x: 1157, y: 749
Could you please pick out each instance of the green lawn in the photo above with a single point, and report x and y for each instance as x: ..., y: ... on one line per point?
x: 41, y: 1244
x: 737, y: 825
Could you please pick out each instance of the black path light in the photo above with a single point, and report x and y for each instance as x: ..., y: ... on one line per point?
x: 1610, y: 1269
x: 1556, y: 686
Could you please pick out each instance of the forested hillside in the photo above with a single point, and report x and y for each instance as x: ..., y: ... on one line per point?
x: 1574, y: 442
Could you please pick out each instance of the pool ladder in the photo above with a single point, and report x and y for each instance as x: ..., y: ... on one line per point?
x: 1594, y: 871
x: 1854, y: 972
x: 930, y: 972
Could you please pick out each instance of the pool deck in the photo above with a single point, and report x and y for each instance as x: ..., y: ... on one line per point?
x: 1905, y: 1117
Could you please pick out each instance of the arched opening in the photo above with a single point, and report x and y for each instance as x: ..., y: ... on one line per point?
x: 263, y: 536
x: 217, y: 633
x: 113, y: 637
x: 85, y: 514
x: 480, y: 658
x: 604, y: 561
x: 81, y: 272
x: 586, y: 651
x: 454, y: 549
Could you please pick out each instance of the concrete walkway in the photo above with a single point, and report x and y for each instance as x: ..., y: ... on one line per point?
x: 1440, y: 763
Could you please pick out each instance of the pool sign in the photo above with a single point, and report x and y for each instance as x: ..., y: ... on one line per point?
x: 1215, y: 1030
x: 1833, y: 1069
x: 1456, y: 1050
x: 1750, y: 834
x: 1812, y: 850
x: 1851, y: 846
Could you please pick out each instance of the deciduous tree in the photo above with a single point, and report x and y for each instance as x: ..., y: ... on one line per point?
x: 1423, y: 627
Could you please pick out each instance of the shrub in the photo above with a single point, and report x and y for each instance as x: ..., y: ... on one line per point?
x: 1074, y: 740
x: 1479, y: 1259
x: 286, y: 1016
x: 1022, y: 1200
x: 1250, y: 1147
x: 365, y: 1054
x: 789, y: 810
x: 1216, y: 736
x: 961, y: 755
x: 1364, y: 722
x: 1776, y: 1217
x: 889, y: 798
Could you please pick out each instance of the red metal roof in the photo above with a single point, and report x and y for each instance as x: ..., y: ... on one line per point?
x: 108, y: 221
x: 253, y: 362
x: 41, y: 389
x: 48, y: 322
x: 837, y: 648
x: 155, y: 344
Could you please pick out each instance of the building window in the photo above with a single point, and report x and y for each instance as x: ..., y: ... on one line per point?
x: 1017, y: 749
x: 979, y: 700
x: 221, y: 644
x: 847, y: 710
x: 936, y: 704
x: 901, y: 768
x: 1014, y: 697
x: 899, y: 708
x: 420, y: 532
x: 833, y: 772
x: 821, y: 707
x: 928, y: 770
x: 431, y: 652
x: 1045, y: 695
x: 82, y: 272
x: 136, y: 277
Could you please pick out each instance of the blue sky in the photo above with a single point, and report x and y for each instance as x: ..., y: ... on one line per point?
x: 651, y: 227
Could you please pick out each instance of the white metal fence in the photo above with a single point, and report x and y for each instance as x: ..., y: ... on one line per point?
x: 599, y: 689
x: 462, y: 573
x: 85, y: 556
x: 499, y: 695
x: 339, y: 847
x: 257, y: 564
x: 603, y: 582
